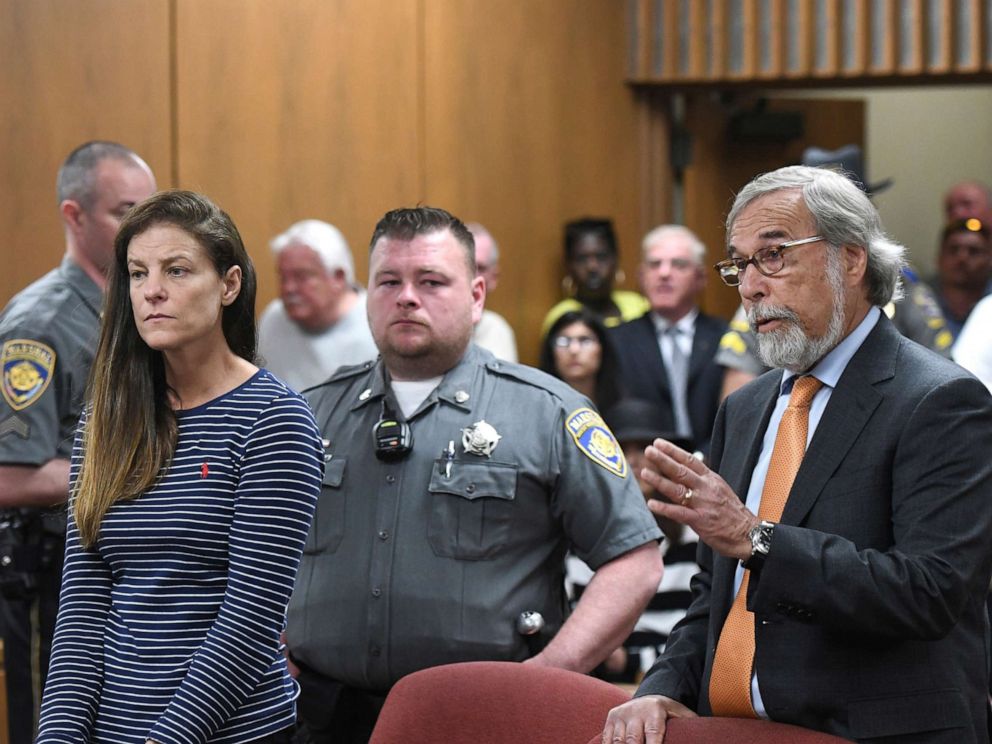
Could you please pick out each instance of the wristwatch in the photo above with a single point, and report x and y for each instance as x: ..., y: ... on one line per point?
x: 761, y: 542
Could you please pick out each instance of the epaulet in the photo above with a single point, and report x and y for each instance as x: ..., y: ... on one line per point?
x: 343, y: 373
x: 529, y: 376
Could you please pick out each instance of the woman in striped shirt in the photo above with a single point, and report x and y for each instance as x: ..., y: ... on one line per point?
x: 194, y: 479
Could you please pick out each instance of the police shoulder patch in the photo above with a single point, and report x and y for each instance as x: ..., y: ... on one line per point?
x: 594, y: 438
x: 27, y: 369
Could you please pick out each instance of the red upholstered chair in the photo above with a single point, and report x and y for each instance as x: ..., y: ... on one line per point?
x: 738, y: 731
x: 494, y: 702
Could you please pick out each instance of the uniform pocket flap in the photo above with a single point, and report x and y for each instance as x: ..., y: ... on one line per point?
x: 334, y: 471
x: 931, y: 710
x: 474, y: 480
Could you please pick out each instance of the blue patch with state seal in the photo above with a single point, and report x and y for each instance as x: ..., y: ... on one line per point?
x: 594, y: 438
x: 27, y: 369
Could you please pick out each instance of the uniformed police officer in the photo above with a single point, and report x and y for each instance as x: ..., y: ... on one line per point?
x: 47, y: 340
x: 454, y: 484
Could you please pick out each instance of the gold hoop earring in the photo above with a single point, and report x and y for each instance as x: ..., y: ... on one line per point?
x: 568, y: 286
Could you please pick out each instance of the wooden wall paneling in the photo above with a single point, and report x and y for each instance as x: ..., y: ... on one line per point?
x: 967, y: 35
x: 939, y: 35
x: 771, y: 38
x: 742, y: 38
x: 985, y: 9
x: 911, y: 24
x: 699, y: 38
x: 72, y: 72
x: 717, y: 34
x: 294, y: 109
x: 799, y: 38
x: 721, y: 166
x: 640, y: 39
x: 656, y: 176
x: 827, y: 41
x: 528, y: 124
x: 855, y: 38
x: 667, y: 40
x: 883, y: 37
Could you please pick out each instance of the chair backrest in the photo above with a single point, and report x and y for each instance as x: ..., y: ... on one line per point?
x: 738, y: 731
x: 494, y: 702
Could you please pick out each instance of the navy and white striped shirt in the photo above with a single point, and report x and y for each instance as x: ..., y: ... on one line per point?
x: 168, y: 628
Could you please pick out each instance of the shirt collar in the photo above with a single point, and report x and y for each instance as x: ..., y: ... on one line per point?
x: 829, y: 369
x: 457, y: 387
x: 686, y: 323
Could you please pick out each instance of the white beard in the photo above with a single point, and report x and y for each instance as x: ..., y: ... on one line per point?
x: 788, y: 346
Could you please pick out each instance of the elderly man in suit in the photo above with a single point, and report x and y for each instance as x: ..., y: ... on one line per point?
x: 847, y: 514
x: 666, y: 355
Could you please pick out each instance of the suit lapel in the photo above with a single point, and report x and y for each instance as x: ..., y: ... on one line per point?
x: 748, y: 413
x: 851, y: 406
x: 746, y: 430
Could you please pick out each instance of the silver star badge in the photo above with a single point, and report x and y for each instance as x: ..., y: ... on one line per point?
x: 480, y: 439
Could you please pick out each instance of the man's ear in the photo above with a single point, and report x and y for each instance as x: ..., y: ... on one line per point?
x: 71, y: 212
x: 855, y: 263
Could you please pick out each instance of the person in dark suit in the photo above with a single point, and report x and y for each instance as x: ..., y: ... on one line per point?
x: 666, y: 355
x: 867, y: 560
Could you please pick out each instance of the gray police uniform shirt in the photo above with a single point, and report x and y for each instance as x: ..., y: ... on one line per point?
x: 48, y: 336
x: 431, y: 559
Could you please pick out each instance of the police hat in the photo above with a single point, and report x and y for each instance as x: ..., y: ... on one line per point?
x: 637, y: 420
x: 848, y: 159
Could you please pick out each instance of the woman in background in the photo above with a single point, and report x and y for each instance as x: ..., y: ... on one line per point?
x: 578, y: 351
x: 194, y: 479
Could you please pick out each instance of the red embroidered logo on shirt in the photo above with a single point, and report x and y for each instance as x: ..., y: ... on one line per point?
x: 204, y: 470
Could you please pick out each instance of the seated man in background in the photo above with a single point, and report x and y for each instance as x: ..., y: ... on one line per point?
x: 844, y: 558
x: 964, y: 269
x: 492, y: 332
x: 666, y: 355
x: 636, y: 424
x: 968, y: 199
x: 318, y: 323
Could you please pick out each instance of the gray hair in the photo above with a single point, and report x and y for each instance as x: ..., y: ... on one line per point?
x: 844, y: 216
x: 323, y: 239
x: 76, y: 179
x: 665, y: 231
x: 479, y: 231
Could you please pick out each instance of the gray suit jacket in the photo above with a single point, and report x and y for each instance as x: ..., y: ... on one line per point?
x: 869, y: 610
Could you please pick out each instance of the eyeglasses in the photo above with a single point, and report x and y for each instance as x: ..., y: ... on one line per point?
x: 584, y: 342
x: 768, y: 261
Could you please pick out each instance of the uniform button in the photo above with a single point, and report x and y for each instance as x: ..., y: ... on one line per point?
x: 383, y: 534
x: 376, y: 592
x: 470, y: 488
x: 375, y: 651
x: 390, y: 478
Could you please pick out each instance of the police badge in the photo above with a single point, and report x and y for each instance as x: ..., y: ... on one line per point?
x: 27, y: 369
x: 480, y: 439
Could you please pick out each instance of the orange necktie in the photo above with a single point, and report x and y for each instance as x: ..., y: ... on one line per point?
x: 733, y: 664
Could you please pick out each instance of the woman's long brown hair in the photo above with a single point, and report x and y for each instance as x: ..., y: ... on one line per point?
x: 130, y: 431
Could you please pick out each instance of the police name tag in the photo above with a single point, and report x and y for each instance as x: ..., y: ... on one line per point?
x: 27, y: 369
x: 594, y: 438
